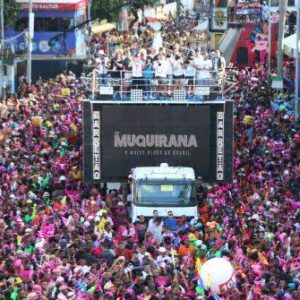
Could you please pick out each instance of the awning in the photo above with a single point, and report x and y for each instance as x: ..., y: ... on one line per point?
x: 289, y: 45
x: 97, y: 29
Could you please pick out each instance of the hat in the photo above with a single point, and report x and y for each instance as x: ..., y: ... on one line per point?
x: 28, y: 230
x: 46, y: 194
x: 199, y: 243
x: 120, y: 203
x: 108, y: 285
x: 86, y: 223
x: 162, y: 250
x: 18, y: 280
x: 174, y: 252
x: 192, y: 237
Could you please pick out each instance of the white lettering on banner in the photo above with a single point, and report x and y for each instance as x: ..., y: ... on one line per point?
x: 96, y: 145
x: 220, y: 146
x: 54, y: 6
x: 154, y: 140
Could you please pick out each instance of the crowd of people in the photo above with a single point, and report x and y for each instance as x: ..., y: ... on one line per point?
x: 63, y: 239
x: 150, y: 58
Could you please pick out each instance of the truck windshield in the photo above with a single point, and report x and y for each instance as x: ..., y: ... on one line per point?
x: 166, y: 194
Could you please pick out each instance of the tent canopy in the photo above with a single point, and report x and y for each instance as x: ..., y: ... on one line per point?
x: 289, y: 44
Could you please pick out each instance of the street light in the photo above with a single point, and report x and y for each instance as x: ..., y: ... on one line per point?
x: 297, y: 63
x: 269, y: 40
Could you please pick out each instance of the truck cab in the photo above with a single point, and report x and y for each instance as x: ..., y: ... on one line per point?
x: 163, y: 188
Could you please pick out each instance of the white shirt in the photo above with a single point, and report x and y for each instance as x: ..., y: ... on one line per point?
x: 190, y: 71
x: 156, y: 230
x: 197, y: 61
x: 215, y: 62
x: 137, y: 68
x: 163, y: 259
x: 177, y: 68
x: 206, y: 68
x: 160, y: 67
x: 102, y: 67
x: 169, y: 66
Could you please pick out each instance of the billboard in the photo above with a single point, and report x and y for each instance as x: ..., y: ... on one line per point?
x: 120, y: 137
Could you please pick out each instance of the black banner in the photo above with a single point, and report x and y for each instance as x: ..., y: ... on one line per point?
x: 132, y: 135
x: 149, y: 135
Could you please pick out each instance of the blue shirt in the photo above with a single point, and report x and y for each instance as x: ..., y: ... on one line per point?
x: 148, y: 72
x: 170, y: 223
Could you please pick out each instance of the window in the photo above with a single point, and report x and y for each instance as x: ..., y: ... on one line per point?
x: 39, y: 24
x: 51, y: 24
x: 21, y: 24
x: 165, y: 194
x: 276, y: 2
x: 65, y: 24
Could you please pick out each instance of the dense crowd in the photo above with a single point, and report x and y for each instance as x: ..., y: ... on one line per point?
x: 63, y: 239
x: 156, y: 56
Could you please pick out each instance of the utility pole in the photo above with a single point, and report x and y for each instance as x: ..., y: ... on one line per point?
x: 178, y: 8
x: 30, y: 37
x: 297, y: 77
x: 1, y: 45
x: 269, y: 40
x: 281, y: 30
x: 2, y: 23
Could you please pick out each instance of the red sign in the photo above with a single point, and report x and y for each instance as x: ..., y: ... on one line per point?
x: 55, y: 6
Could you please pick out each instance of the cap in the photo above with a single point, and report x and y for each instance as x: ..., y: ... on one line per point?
x: 18, y: 280
x: 162, y: 249
x: 192, y: 237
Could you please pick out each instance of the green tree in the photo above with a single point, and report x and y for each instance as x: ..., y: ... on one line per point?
x: 10, y: 12
x: 109, y: 9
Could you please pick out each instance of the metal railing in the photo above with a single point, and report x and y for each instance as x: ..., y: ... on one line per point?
x: 240, y: 15
x: 120, y: 85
